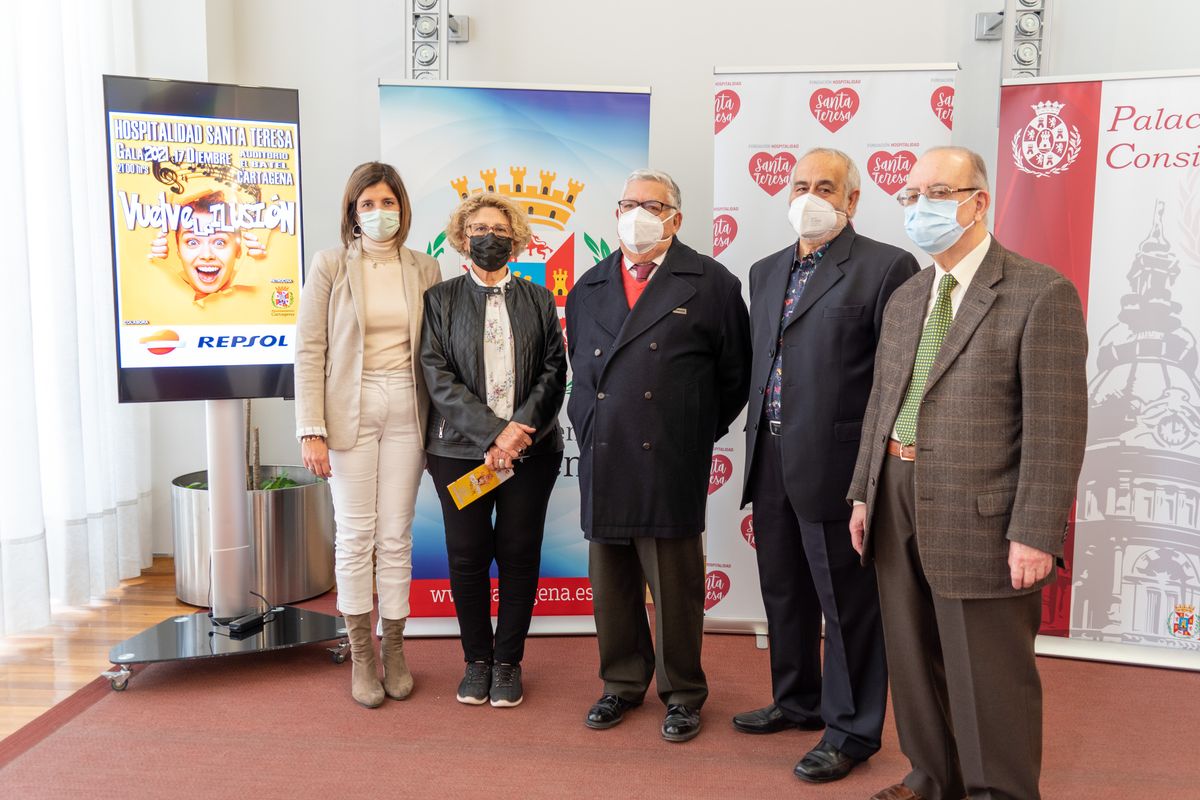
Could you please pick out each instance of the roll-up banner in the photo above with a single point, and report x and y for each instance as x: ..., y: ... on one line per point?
x: 1099, y: 177
x: 206, y: 215
x: 764, y: 120
x: 562, y: 153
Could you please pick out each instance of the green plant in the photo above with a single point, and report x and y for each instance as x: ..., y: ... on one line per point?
x: 599, y: 251
x: 436, y: 248
x: 197, y: 485
x: 280, y: 481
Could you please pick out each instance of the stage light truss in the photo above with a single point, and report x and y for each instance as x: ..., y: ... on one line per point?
x: 426, y: 39
x: 1025, y: 37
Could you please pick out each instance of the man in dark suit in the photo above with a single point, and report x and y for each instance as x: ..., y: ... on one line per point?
x: 817, y: 310
x: 659, y: 340
x: 971, y: 449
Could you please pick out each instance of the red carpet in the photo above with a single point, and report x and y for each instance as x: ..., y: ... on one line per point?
x: 282, y: 725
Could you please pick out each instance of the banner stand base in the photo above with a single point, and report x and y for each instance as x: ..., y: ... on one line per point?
x: 539, y: 626
x: 758, y: 627
x: 1117, y: 653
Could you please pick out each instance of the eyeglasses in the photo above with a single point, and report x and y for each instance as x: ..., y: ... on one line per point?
x: 479, y: 229
x: 653, y: 206
x: 937, y: 192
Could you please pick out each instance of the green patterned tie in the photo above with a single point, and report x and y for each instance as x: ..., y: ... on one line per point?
x: 931, y: 341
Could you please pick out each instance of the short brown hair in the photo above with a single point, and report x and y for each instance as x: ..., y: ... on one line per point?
x: 456, y: 228
x: 363, y: 177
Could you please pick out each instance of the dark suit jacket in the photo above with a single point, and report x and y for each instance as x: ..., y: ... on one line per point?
x: 828, y: 360
x: 1002, y: 424
x: 652, y: 389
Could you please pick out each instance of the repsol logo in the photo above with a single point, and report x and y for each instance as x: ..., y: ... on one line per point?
x: 243, y: 341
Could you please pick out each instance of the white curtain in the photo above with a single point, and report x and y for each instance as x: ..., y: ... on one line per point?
x: 74, y: 480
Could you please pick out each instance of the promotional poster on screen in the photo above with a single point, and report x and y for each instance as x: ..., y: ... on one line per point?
x: 206, y: 224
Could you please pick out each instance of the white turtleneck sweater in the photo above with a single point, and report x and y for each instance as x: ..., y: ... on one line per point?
x: 386, y: 344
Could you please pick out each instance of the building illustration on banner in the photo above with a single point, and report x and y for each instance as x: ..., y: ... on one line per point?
x: 549, y: 258
x: 1137, y: 553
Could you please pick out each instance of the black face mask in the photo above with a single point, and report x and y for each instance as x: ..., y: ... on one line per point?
x: 491, y: 253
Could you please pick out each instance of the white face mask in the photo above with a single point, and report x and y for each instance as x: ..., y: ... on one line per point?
x: 814, y: 218
x: 379, y: 225
x: 639, y: 230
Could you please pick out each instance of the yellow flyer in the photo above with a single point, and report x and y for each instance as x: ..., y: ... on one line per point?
x: 476, y: 483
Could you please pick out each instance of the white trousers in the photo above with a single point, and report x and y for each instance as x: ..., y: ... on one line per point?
x: 374, y: 487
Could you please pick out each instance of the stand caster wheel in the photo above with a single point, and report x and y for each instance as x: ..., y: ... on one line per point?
x: 119, y: 686
x: 339, y: 658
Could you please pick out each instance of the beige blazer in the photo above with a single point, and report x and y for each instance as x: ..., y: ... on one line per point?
x: 330, y: 341
x: 1001, y: 427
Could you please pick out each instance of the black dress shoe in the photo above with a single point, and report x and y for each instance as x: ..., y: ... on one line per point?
x: 681, y: 723
x: 824, y: 763
x: 608, y: 711
x: 772, y: 720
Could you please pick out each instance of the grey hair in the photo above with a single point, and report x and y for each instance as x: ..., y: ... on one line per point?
x: 658, y: 177
x: 979, y: 175
x: 853, y: 179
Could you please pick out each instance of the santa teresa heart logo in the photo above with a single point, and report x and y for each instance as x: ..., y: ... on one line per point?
x: 942, y: 103
x: 890, y: 170
x: 724, y: 232
x: 771, y: 172
x: 722, y: 468
x: 716, y: 586
x: 833, y: 109
x: 725, y: 107
x: 748, y: 530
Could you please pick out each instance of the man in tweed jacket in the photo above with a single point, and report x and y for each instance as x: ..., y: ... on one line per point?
x: 965, y: 518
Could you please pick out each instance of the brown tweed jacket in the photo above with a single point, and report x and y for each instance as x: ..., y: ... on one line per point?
x: 1002, y: 425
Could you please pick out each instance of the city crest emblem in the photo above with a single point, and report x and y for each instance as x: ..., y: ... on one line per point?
x: 1046, y: 146
x: 1183, y: 622
x: 282, y: 298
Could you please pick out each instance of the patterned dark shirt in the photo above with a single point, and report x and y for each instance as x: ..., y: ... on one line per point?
x: 802, y: 270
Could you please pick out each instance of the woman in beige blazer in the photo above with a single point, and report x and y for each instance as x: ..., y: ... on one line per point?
x: 361, y: 405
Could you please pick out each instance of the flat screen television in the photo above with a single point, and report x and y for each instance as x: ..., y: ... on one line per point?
x: 207, y: 251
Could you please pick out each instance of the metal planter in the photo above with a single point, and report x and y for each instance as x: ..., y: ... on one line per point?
x: 292, y: 530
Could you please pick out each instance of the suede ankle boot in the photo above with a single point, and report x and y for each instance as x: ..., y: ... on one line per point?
x: 397, y: 680
x: 365, y: 687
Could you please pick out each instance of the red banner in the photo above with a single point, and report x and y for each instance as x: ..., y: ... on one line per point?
x: 1046, y: 174
x: 562, y: 597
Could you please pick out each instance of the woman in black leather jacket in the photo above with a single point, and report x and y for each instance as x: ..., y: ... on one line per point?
x: 493, y: 358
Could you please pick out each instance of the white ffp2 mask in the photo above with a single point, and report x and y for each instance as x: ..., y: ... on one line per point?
x: 639, y: 230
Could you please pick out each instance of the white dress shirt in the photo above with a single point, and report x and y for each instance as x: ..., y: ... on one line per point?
x: 963, y: 272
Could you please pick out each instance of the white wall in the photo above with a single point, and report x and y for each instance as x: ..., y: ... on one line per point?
x: 1096, y: 37
x: 334, y: 53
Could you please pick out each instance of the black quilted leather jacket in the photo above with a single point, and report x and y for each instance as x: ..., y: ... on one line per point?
x: 460, y: 423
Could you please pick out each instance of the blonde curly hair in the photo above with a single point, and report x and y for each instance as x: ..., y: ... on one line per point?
x: 456, y: 228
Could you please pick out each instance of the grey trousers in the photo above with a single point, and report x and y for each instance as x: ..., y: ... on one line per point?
x: 629, y: 658
x: 965, y: 686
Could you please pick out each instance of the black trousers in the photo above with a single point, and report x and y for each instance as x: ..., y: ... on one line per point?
x: 674, y: 571
x: 965, y: 686
x: 504, y: 526
x: 808, y: 568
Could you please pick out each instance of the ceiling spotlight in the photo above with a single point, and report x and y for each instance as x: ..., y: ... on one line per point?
x: 425, y: 5
x: 1026, y: 54
x: 425, y: 55
x: 427, y: 26
x: 1029, y: 24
